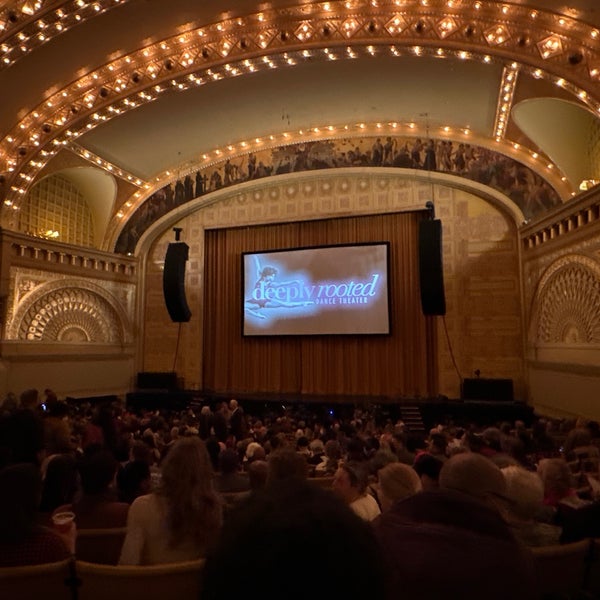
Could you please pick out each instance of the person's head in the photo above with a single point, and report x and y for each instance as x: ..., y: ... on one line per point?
x: 525, y: 490
x: 333, y: 450
x: 187, y: 486
x: 29, y: 399
x: 140, y: 451
x: 21, y: 437
x: 303, y: 530
x: 556, y: 477
x: 21, y: 486
x: 350, y: 481
x: 228, y: 461
x: 475, y: 475
x: 396, y: 482
x: 437, y: 444
x: 258, y: 471
x: 61, y: 482
x: 286, y: 464
x: 97, y: 470
x: 254, y: 451
x: 134, y: 480
x: 428, y: 469
x: 578, y: 437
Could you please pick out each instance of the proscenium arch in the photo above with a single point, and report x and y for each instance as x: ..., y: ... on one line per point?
x: 279, y: 31
x: 436, y: 180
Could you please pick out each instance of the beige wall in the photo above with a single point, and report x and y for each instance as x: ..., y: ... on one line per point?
x: 68, y: 319
x: 561, y: 279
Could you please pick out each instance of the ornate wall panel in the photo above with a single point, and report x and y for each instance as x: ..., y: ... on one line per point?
x: 51, y: 307
x: 567, y: 303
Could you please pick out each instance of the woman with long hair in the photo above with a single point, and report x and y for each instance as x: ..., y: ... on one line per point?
x: 182, y: 518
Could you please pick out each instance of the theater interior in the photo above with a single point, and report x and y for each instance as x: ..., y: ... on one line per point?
x: 128, y: 126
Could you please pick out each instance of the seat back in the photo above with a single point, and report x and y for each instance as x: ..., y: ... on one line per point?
x: 100, y: 545
x: 592, y: 586
x: 324, y: 482
x: 158, y: 582
x: 561, y: 569
x: 32, y: 582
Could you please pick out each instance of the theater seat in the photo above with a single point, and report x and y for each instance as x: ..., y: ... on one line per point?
x: 33, y: 582
x: 158, y: 582
x: 100, y: 545
x: 561, y: 569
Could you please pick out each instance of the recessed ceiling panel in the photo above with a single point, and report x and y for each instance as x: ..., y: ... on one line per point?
x: 178, y: 127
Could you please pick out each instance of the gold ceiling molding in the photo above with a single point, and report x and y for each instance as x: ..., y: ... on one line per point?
x: 282, y: 38
x: 26, y: 25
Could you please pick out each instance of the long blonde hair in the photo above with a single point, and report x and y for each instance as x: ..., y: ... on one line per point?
x: 193, y: 506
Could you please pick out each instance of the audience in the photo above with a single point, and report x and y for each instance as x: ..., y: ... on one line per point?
x: 447, y: 504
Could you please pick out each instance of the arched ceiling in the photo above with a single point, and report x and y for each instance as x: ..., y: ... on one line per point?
x: 147, y: 89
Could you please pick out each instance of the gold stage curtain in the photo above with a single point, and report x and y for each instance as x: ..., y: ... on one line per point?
x: 402, y: 364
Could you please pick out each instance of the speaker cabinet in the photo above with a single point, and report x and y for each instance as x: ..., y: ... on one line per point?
x: 160, y: 380
x: 494, y: 390
x: 431, y: 272
x: 174, y: 282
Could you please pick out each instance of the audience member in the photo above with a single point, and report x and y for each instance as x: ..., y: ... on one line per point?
x: 396, y: 482
x: 180, y: 519
x: 229, y: 478
x: 22, y: 540
x: 134, y: 480
x: 98, y: 506
x: 350, y: 484
x: 459, y: 531
x: 330, y: 461
x: 304, y: 531
x: 21, y: 438
x: 428, y: 469
x: 258, y: 472
x: 286, y: 464
x: 60, y: 482
x: 525, y: 492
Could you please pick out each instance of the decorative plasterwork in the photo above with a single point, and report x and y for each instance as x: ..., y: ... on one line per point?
x: 51, y: 308
x: 567, y: 303
x: 281, y: 38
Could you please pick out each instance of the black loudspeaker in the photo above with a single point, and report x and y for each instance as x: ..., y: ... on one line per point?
x: 174, y: 282
x: 495, y: 390
x: 160, y: 380
x: 431, y: 271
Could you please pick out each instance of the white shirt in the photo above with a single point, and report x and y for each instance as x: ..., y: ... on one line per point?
x: 366, y: 507
x: 147, y: 538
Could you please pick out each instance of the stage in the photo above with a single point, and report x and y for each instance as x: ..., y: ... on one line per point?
x: 431, y: 411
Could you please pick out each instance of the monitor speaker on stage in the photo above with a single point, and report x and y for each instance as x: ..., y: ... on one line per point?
x: 431, y: 272
x: 174, y: 280
x: 494, y: 390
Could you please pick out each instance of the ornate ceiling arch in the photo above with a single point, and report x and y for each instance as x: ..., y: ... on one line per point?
x: 542, y: 48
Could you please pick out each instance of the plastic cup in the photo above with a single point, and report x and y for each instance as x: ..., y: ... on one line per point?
x: 63, y: 521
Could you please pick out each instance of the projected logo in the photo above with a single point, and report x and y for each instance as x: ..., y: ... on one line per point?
x: 302, y: 296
